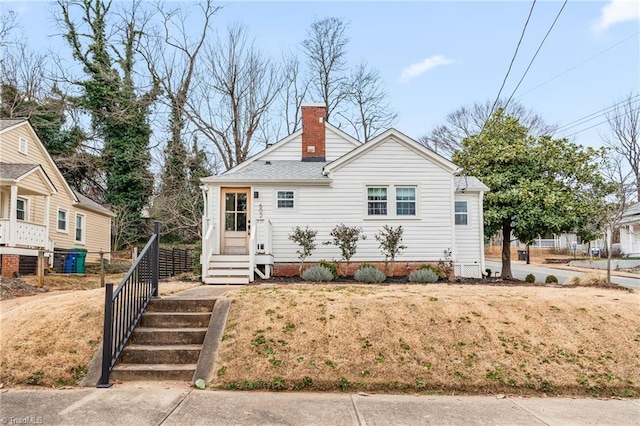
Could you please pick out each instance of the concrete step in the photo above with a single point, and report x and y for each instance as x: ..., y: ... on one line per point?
x: 226, y: 272
x: 161, y: 354
x: 229, y: 258
x: 168, y: 336
x: 180, y: 305
x: 175, y: 319
x: 124, y: 372
x: 226, y: 280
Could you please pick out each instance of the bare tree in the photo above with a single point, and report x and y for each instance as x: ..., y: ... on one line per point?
x: 235, y: 89
x: 326, y: 50
x: 8, y: 23
x: 470, y: 119
x: 294, y: 90
x: 370, y: 112
x: 624, y: 123
x: 23, y: 77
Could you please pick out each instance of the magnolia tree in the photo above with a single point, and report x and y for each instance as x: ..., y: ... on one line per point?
x: 305, y: 238
x: 346, y: 238
x: 390, y: 239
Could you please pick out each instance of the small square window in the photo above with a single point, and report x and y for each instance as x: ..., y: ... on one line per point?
x: 286, y: 199
x: 62, y: 220
x: 462, y: 215
x: 377, y: 201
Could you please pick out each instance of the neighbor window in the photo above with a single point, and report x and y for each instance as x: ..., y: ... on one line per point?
x: 377, y: 201
x: 461, y: 213
x: 406, y: 201
x: 62, y: 220
x: 21, y: 209
x: 23, y: 146
x: 285, y: 199
x: 79, y: 228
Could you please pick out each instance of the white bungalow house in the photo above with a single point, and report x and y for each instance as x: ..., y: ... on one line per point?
x: 321, y: 177
x: 38, y: 209
x: 630, y: 231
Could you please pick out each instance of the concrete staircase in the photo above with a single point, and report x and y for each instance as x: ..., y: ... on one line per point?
x: 229, y: 269
x: 167, y: 342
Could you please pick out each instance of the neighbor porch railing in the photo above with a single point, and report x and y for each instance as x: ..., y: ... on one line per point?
x: 26, y: 234
x: 125, y: 305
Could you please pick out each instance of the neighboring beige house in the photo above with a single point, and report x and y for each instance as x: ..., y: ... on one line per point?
x: 38, y: 209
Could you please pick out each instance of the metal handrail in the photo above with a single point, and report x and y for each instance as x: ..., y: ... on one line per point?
x: 125, y: 305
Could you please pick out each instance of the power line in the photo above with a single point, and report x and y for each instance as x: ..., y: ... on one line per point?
x: 602, y: 122
x: 536, y: 54
x: 597, y: 114
x: 579, y: 64
x: 513, y: 59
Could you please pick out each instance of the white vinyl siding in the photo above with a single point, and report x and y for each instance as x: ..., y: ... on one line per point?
x: 80, y: 228
x: 62, y: 222
x: 335, y: 147
x: 468, y: 241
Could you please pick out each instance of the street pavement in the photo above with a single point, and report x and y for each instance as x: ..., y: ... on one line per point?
x: 520, y: 270
x: 177, y: 404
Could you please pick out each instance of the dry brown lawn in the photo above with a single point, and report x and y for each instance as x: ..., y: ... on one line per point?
x: 434, y: 338
x: 48, y: 339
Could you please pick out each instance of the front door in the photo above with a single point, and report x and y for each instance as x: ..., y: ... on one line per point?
x: 235, y: 220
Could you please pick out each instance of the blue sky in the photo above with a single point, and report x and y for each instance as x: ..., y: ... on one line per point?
x: 435, y: 56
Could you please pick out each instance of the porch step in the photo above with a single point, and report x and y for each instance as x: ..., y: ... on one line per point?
x: 167, y: 343
x: 228, y: 269
x: 126, y: 372
x: 211, y: 279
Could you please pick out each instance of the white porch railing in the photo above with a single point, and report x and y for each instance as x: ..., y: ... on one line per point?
x: 26, y: 234
x: 252, y: 253
x: 207, y: 249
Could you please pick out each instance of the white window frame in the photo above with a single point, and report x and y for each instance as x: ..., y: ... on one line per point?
x: 25, y: 209
x: 464, y: 214
x: 386, y: 201
x: 294, y: 200
x: 23, y: 146
x: 414, y: 201
x: 66, y: 220
x: 82, y: 229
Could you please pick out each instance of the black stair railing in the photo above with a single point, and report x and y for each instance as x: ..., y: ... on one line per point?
x: 125, y: 305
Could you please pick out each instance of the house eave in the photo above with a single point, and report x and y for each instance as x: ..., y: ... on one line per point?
x: 237, y: 182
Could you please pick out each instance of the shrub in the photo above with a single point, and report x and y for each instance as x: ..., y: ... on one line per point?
x: 530, y: 278
x: 331, y: 267
x: 317, y: 274
x: 346, y: 238
x: 369, y: 274
x: 425, y: 275
x: 439, y: 272
x: 590, y: 279
x: 551, y: 279
x: 390, y: 240
x: 305, y: 238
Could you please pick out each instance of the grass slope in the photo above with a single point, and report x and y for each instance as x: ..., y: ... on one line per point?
x: 435, y: 338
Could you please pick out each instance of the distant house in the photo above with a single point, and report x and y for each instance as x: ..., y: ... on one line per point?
x: 38, y: 209
x: 320, y: 177
x: 630, y: 231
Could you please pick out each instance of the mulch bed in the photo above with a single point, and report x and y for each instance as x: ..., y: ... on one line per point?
x: 15, y: 287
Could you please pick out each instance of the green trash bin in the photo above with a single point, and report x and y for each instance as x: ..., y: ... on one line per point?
x: 81, y: 256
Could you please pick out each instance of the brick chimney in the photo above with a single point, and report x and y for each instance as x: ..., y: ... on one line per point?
x: 313, y: 137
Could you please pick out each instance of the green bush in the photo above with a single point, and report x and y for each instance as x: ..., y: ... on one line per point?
x: 439, y: 272
x: 317, y: 274
x: 369, y: 274
x: 551, y: 279
x: 424, y: 275
x: 530, y: 278
x: 365, y: 265
x: 331, y: 267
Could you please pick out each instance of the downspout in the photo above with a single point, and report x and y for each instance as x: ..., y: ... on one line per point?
x: 481, y: 224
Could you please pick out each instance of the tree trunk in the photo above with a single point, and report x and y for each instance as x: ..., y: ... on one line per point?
x: 608, y: 242
x: 528, y: 247
x: 506, y: 251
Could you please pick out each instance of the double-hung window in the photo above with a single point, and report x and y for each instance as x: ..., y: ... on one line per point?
x: 62, y: 220
x: 21, y: 209
x: 286, y: 199
x: 79, y: 228
x: 405, y: 201
x: 377, y: 201
x: 461, y: 213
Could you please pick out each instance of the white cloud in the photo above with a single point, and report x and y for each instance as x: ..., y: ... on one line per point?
x: 617, y: 11
x: 421, y: 67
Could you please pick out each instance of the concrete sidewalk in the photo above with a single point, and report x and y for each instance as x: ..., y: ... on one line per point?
x: 177, y: 404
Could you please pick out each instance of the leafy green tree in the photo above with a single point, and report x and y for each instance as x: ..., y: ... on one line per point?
x: 346, y: 239
x: 390, y: 239
x: 538, y: 184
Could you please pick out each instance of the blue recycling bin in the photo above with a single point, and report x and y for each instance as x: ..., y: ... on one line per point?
x: 70, y: 263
